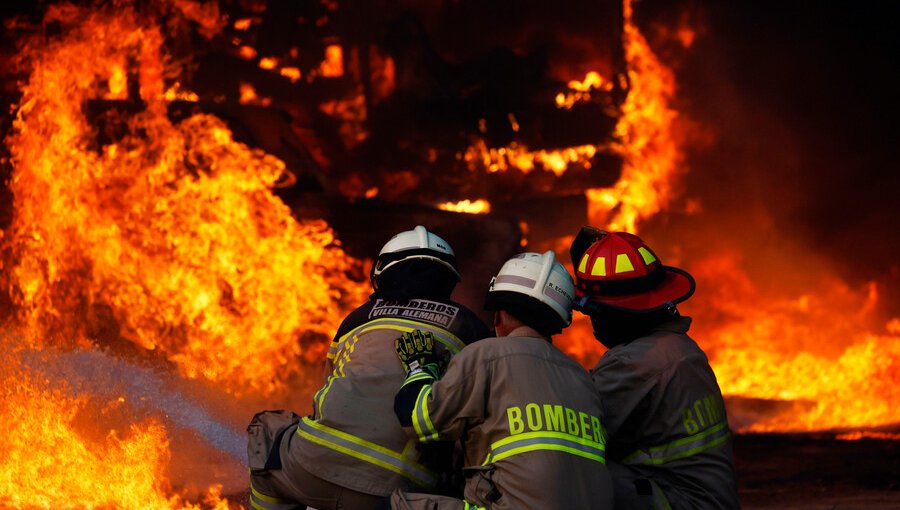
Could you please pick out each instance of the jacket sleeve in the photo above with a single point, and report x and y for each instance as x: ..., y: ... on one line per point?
x: 444, y: 409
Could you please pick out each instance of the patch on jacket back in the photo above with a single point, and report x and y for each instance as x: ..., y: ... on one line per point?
x: 423, y: 310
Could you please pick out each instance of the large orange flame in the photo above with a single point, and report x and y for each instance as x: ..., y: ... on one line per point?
x: 173, y: 227
x: 821, y: 358
x: 645, y: 138
x: 165, y: 233
x: 46, y: 462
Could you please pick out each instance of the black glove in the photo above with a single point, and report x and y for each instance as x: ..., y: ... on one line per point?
x: 416, y: 352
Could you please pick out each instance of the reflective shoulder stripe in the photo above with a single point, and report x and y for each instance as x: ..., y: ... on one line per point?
x: 681, y: 448
x: 260, y: 501
x: 446, y: 338
x: 546, y: 440
x: 421, y: 421
x: 366, y: 451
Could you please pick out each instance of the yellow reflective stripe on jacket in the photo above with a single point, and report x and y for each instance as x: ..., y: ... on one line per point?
x: 260, y: 501
x: 420, y: 418
x: 472, y: 506
x: 684, y: 447
x: 546, y: 440
x: 446, y: 338
x: 366, y: 451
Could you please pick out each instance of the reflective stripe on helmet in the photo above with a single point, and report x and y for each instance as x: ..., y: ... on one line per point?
x: 540, y: 277
x: 547, y: 441
x: 366, y: 451
x: 681, y: 448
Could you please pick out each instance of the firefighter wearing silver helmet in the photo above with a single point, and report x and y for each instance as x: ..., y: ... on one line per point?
x: 351, y: 452
x: 529, y: 418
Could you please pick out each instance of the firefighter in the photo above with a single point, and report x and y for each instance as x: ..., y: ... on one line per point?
x: 350, y: 452
x: 529, y: 418
x: 669, y: 442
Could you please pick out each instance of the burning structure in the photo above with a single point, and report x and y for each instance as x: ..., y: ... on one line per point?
x: 193, y: 188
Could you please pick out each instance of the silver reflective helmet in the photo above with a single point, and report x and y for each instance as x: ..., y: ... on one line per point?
x: 538, y: 276
x: 417, y: 243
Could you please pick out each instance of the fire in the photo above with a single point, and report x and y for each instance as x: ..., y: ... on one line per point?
x: 479, y: 206
x: 822, y: 357
x: 333, y: 65
x: 581, y: 90
x: 166, y: 233
x: 824, y: 352
x: 646, y: 140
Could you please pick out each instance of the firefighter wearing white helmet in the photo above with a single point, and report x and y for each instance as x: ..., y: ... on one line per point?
x: 351, y: 452
x: 529, y: 419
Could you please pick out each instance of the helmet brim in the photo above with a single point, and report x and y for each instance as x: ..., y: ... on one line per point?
x: 677, y: 286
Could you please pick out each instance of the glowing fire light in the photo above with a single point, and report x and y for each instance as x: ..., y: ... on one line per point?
x: 819, y: 350
x: 581, y: 90
x: 46, y: 463
x: 479, y: 206
x: 292, y: 73
x: 645, y: 139
x: 333, y: 65
x: 268, y: 63
x: 822, y: 354
x: 170, y: 228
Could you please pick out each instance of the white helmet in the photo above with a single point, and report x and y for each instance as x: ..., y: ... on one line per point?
x: 417, y: 243
x: 537, y: 286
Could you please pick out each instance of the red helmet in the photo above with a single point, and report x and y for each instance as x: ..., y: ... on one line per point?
x: 618, y: 270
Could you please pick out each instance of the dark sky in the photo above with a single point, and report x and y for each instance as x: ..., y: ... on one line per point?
x: 794, y: 116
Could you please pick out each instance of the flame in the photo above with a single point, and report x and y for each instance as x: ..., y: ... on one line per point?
x: 268, y: 63
x: 351, y: 112
x: 580, y: 91
x: 645, y: 140
x: 521, y: 158
x: 820, y: 350
x: 822, y: 357
x: 168, y: 233
x: 479, y: 206
x: 333, y: 65
x: 291, y: 73
x: 856, y: 436
x: 247, y: 52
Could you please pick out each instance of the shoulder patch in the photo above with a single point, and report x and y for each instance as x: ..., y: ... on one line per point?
x: 423, y: 310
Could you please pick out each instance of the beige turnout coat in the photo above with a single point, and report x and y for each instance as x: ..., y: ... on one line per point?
x: 530, y: 421
x: 669, y: 441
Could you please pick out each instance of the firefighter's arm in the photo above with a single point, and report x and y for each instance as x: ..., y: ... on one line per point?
x: 442, y: 409
x: 415, y: 350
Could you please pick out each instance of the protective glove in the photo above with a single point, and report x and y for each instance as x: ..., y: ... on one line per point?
x: 416, y: 352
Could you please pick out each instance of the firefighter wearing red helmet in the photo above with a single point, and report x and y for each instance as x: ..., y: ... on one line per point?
x: 669, y: 443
